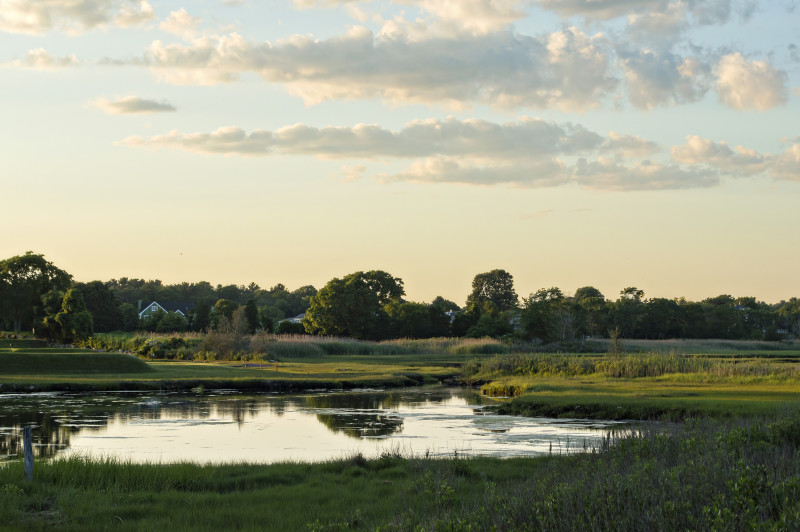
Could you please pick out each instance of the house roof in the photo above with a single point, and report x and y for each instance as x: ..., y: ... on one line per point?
x: 183, y: 308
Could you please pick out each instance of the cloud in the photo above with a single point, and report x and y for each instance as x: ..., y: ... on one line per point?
x: 629, y: 146
x: 787, y: 165
x: 738, y: 161
x: 40, y: 59
x: 477, y: 139
x: 529, y: 174
x: 132, y: 105
x: 568, y: 69
x: 180, y: 23
x: 599, y: 9
x: 133, y: 16
x: 743, y: 84
x: 70, y: 16
x: 605, y: 174
x: 526, y: 153
x: 663, y: 78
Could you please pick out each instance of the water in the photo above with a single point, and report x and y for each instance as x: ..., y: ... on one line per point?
x: 224, y: 426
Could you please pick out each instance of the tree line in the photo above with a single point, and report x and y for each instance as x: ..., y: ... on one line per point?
x: 37, y: 295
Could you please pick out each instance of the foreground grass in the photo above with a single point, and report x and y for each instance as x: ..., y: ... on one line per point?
x: 699, y: 476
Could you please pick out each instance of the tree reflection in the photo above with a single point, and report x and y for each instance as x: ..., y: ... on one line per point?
x: 56, y: 417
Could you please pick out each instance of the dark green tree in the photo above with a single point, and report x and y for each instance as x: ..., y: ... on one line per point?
x: 72, y: 322
x: 102, y: 304
x: 24, y: 279
x: 354, y: 305
x: 251, y: 315
x: 129, y: 317
x: 496, y: 287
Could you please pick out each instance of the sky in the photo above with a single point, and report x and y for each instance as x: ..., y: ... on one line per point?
x: 611, y: 143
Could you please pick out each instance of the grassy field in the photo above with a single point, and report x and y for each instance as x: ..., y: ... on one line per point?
x: 76, y: 369
x: 654, y: 385
x: 695, y: 476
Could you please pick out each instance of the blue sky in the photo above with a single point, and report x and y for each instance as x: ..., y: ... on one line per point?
x: 607, y: 143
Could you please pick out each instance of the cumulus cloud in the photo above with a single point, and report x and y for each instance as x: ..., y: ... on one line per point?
x: 70, y: 16
x: 477, y: 139
x: 40, y: 59
x: 526, y: 153
x: 606, y: 174
x: 132, y: 105
x: 743, y: 84
x: 529, y: 174
x: 737, y: 161
x: 663, y: 78
x: 180, y: 23
x: 130, y: 15
x: 787, y: 164
x: 567, y: 69
x: 629, y: 146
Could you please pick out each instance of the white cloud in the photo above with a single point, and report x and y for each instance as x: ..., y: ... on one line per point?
x: 36, y: 17
x: 743, y: 84
x: 180, y: 23
x: 738, y: 161
x: 662, y: 78
x: 606, y: 174
x: 40, y: 59
x: 787, y: 164
x: 132, y: 105
x: 130, y: 15
x: 629, y: 146
x: 568, y: 69
x: 477, y: 139
x: 531, y: 174
x: 526, y: 153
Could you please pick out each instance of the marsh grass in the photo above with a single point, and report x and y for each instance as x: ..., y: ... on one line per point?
x: 262, y: 346
x: 701, y: 475
x: 628, y: 365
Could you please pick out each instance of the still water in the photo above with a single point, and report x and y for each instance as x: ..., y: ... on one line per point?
x: 222, y: 426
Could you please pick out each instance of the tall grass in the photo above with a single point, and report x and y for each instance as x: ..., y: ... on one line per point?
x: 194, y: 346
x: 626, y: 365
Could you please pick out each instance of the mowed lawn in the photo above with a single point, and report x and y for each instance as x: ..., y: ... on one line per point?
x: 50, y: 366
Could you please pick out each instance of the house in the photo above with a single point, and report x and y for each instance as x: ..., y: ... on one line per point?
x: 155, y: 306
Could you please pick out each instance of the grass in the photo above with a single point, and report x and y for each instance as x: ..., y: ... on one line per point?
x: 48, y: 369
x: 703, y: 475
x: 637, y: 385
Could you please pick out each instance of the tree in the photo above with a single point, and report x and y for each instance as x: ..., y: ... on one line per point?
x: 354, y: 305
x: 71, y: 322
x: 269, y: 316
x: 496, y: 287
x: 24, y: 279
x: 102, y: 304
x: 594, y: 309
x: 251, y: 315
x: 129, y: 317
x: 172, y: 322
x: 541, y: 317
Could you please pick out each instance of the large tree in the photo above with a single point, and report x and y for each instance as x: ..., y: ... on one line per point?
x: 354, y: 305
x: 493, y: 292
x: 103, y: 305
x: 24, y: 279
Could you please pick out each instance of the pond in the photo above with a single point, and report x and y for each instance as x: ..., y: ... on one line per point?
x: 220, y: 426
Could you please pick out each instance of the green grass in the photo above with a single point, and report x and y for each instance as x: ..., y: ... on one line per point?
x: 638, y: 385
x: 703, y: 475
x: 42, y: 361
x: 75, y: 369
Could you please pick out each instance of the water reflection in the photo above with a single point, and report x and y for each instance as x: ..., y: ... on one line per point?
x: 224, y: 426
